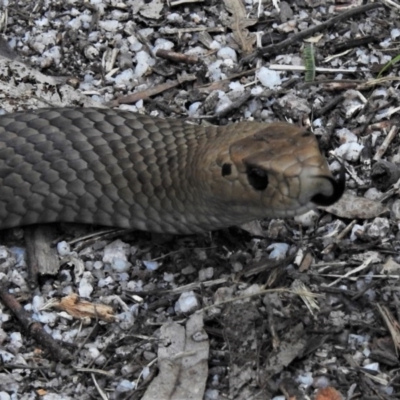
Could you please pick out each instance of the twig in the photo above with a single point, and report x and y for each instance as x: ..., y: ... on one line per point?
x: 275, y: 48
x: 384, y: 146
x: 42, y: 338
x: 350, y: 44
x: 102, y: 394
x: 233, y: 106
x: 145, y: 94
x: 177, y: 57
x: 392, y: 325
x: 364, y: 265
x: 335, y: 101
x: 179, y: 2
x: 279, y: 67
x: 340, y: 236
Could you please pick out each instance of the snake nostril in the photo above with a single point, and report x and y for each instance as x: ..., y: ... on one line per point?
x: 258, y: 177
x: 338, y: 189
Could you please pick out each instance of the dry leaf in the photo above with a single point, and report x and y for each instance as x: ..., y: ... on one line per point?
x: 182, y: 362
x: 78, y: 308
x: 353, y: 207
x: 238, y: 23
x: 328, y: 393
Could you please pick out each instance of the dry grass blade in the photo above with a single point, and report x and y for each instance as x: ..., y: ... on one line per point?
x: 308, y: 297
x: 392, y: 324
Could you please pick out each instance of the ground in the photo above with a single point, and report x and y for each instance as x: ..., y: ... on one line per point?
x: 295, y: 309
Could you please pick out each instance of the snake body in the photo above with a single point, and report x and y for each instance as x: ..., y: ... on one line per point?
x: 117, y: 168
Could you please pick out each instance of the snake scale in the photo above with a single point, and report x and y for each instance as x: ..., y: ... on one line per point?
x: 122, y: 169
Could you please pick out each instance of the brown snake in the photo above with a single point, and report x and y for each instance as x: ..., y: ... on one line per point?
x: 117, y: 168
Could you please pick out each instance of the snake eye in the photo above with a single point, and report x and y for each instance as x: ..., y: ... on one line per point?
x: 226, y: 169
x: 258, y: 177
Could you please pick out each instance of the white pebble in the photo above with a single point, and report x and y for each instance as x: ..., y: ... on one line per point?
x: 85, y: 286
x: 214, y: 45
x: 175, y: 18
x: 257, y: 90
x: 120, y: 264
x: 224, y: 102
x: 19, y: 254
x: 93, y: 352
x: 168, y: 277
x: 163, y: 44
x: 321, y: 382
x: 346, y: 136
x: 135, y: 45
x: 206, y: 274
x: 125, y: 386
x: 146, y: 32
x: 366, y: 351
x: 279, y: 250
x: 5, y: 356
x: 116, y: 249
x: 16, y: 340
x: 212, y: 394
x: 123, y: 277
x: 269, y: 78
x: 186, y: 303
x: 45, y: 317
x: 227, y: 53
x: 125, y: 319
x: 350, y: 151
x: 98, y: 265
x: 195, y: 18
x: 236, y: 86
x: 373, y: 194
x: 105, y: 282
x: 356, y: 229
x: 395, y: 33
x: 37, y: 303
x: 135, y: 286
x: 63, y: 248
x: 143, y: 63
x: 145, y: 372
x: 252, y: 290
x: 308, y: 219
x: 109, y: 25
x: 125, y: 78
x: 196, y: 51
x: 372, y: 366
x: 214, y: 71
x: 192, y: 111
x: 151, y: 265
x: 317, y: 123
x: 379, y: 228
x: 305, y: 379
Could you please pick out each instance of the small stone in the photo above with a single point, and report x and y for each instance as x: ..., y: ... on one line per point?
x: 186, y: 303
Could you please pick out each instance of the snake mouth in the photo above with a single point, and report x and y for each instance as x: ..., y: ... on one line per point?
x: 338, y: 189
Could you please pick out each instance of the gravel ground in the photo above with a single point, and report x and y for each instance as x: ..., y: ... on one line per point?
x: 296, y: 309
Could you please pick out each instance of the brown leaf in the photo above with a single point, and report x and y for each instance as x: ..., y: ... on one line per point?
x: 239, y: 22
x: 78, y: 308
x: 353, y: 207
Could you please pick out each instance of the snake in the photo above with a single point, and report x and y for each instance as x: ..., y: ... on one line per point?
x: 117, y: 168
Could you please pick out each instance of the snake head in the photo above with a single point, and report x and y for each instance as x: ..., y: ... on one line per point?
x: 278, y: 171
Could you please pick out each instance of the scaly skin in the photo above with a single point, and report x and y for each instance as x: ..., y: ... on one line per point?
x: 121, y: 169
